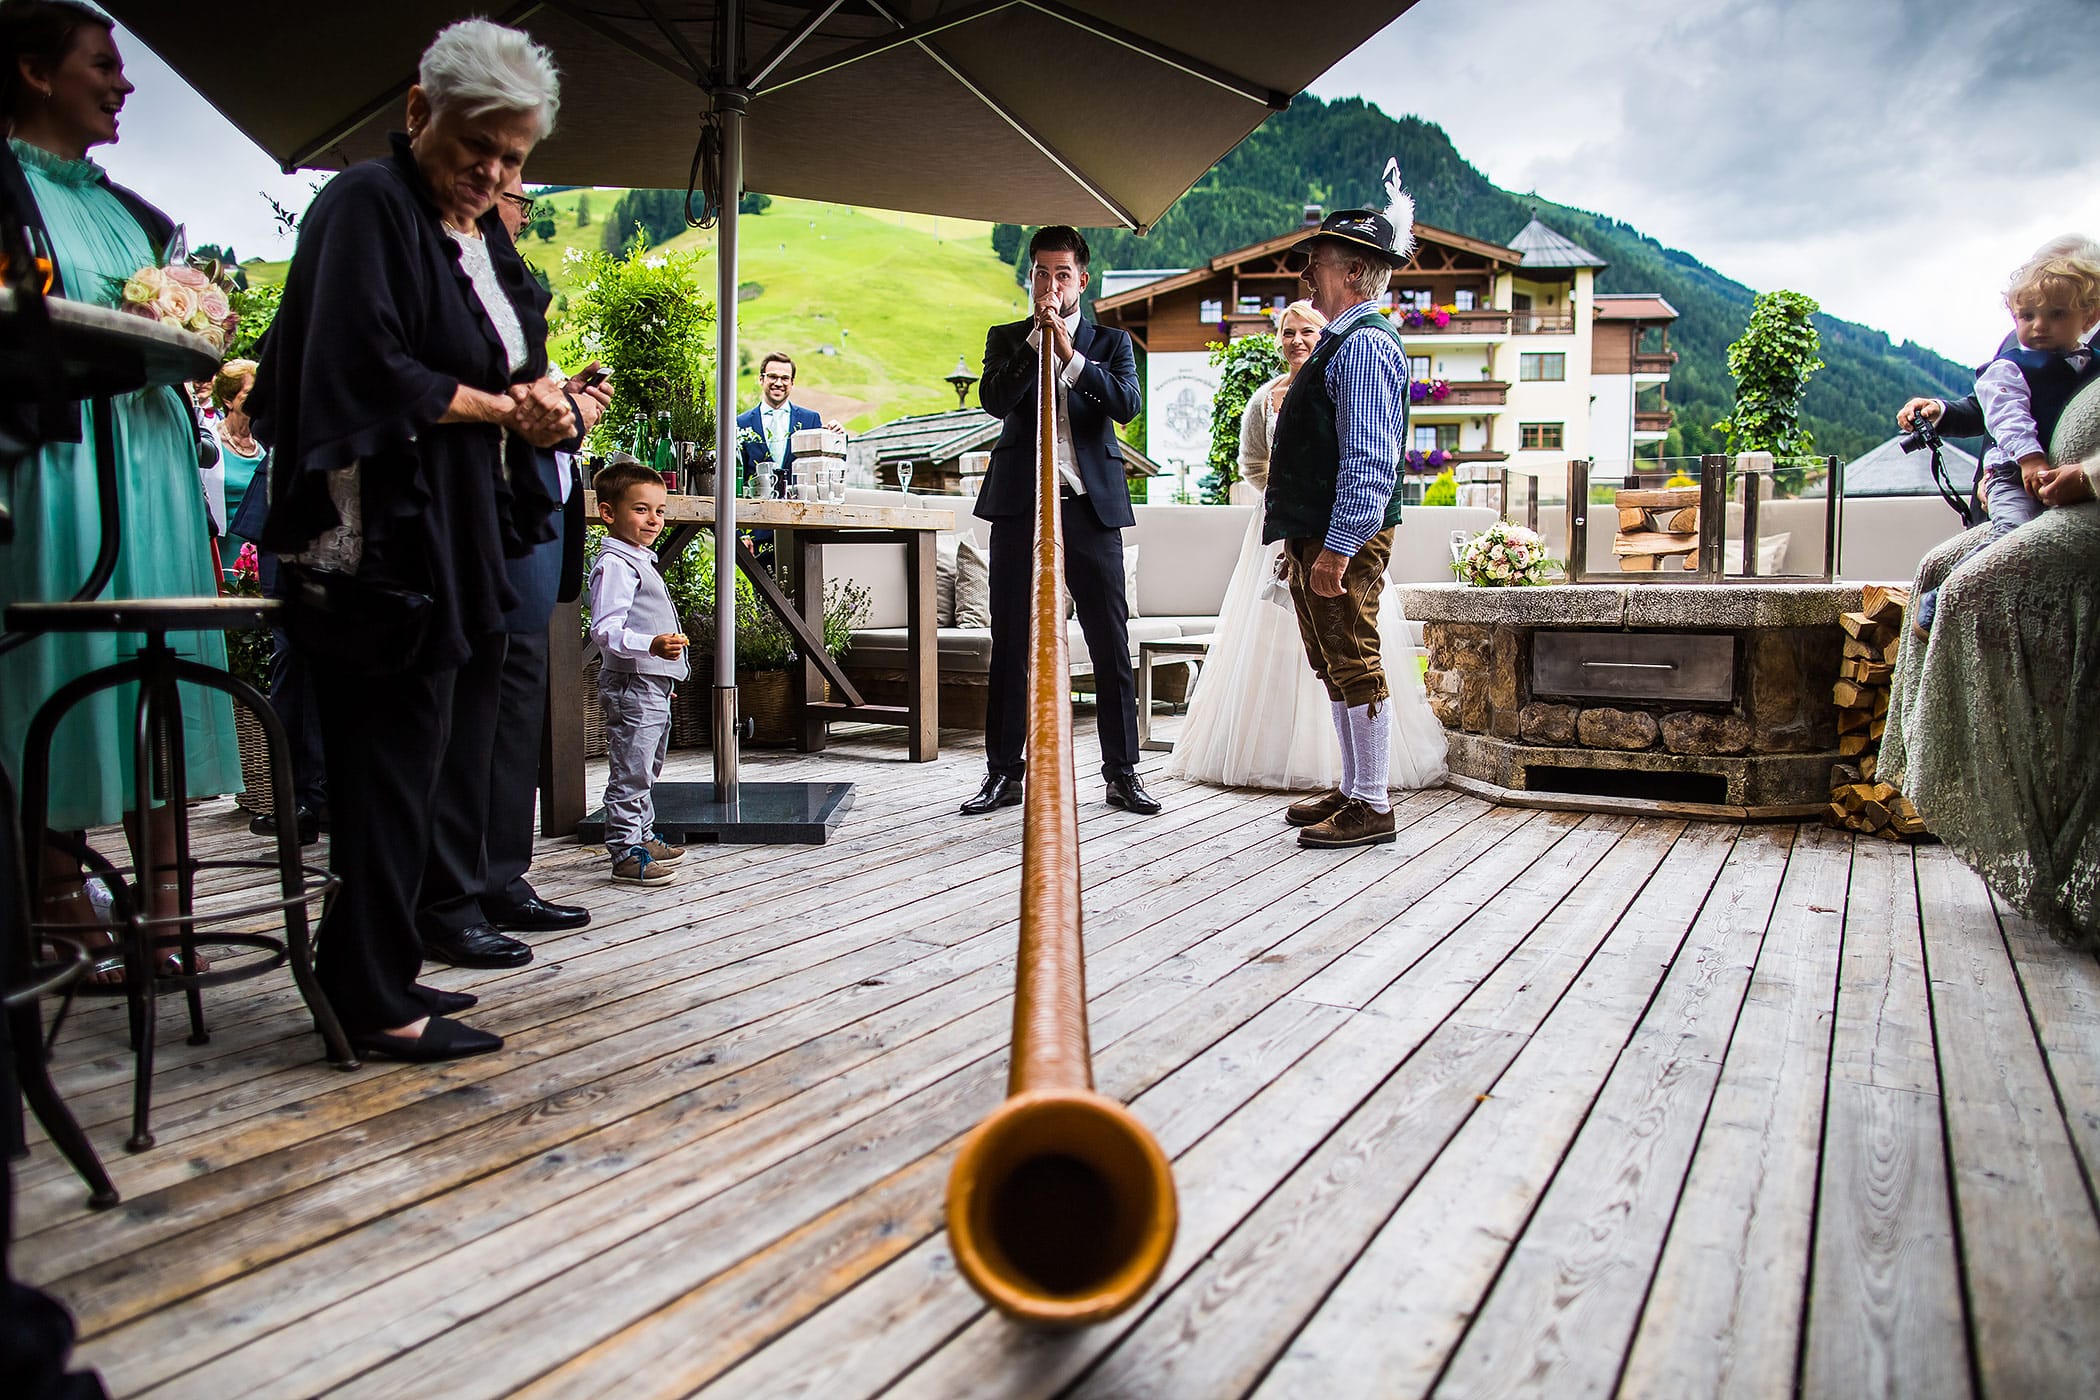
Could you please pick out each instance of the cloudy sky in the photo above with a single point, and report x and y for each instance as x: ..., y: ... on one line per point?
x: 1894, y: 159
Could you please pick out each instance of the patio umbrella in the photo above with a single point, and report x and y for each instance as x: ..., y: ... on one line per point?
x: 1088, y: 112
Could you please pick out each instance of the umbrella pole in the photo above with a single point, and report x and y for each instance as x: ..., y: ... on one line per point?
x: 729, y: 101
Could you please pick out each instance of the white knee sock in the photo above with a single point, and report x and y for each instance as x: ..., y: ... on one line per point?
x: 1343, y: 734
x: 1371, y: 735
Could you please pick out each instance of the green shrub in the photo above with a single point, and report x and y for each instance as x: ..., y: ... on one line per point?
x: 1441, y: 492
x: 644, y: 317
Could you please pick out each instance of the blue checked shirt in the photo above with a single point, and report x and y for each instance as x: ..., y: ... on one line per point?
x: 1367, y: 378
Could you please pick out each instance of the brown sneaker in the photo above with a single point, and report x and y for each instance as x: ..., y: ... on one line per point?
x: 637, y: 867
x: 1315, y: 809
x: 663, y: 852
x: 1354, y: 825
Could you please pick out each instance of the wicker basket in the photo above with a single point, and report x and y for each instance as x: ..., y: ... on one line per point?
x: 255, y: 762
x: 593, y: 712
x: 764, y: 698
x: 690, y: 720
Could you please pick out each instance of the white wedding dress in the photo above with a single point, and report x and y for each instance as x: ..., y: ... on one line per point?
x: 1259, y: 717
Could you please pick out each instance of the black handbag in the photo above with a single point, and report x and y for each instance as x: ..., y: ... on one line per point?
x: 357, y: 623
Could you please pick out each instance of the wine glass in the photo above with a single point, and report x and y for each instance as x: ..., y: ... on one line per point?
x: 904, y: 477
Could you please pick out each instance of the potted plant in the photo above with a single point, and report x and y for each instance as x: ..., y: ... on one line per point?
x: 643, y: 316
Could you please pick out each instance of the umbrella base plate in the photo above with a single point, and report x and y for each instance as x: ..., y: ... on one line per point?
x: 764, y: 814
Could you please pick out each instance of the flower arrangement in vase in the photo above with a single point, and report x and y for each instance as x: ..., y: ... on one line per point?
x: 1504, y: 554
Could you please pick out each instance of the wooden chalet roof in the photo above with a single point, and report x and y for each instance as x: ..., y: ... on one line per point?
x: 1634, y: 306
x: 1425, y: 234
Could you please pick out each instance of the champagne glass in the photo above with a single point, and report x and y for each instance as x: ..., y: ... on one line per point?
x: 904, y: 477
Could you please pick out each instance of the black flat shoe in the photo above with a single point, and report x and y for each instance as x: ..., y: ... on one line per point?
x: 536, y: 915
x: 997, y: 792
x: 310, y: 825
x: 476, y: 945
x: 441, y: 1040
x: 1128, y: 793
x: 444, y: 1003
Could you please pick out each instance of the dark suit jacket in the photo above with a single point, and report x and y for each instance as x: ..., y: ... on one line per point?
x: 1105, y: 394
x: 749, y: 454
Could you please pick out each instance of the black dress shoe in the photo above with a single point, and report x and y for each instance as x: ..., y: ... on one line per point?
x: 441, y: 1040
x: 997, y: 792
x: 536, y: 915
x: 1128, y: 793
x: 310, y: 824
x: 442, y: 1002
x: 476, y: 945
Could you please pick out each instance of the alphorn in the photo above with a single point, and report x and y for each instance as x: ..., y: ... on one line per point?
x: 1061, y: 1207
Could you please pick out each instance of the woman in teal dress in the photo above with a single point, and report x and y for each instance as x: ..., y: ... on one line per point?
x: 61, y: 87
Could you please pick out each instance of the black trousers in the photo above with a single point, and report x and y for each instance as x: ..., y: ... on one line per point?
x: 456, y: 866
x: 386, y: 739
x: 521, y: 717
x: 1094, y: 574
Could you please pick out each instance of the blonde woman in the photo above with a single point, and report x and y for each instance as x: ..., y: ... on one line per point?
x: 1259, y: 717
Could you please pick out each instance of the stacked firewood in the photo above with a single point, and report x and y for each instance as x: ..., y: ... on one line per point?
x: 1657, y: 527
x: 1857, y: 800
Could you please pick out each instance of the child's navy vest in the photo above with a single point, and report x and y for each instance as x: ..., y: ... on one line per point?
x: 2050, y: 382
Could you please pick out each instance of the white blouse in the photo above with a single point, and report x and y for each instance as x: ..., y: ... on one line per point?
x: 481, y: 269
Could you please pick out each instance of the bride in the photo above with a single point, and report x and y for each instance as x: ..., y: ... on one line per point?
x: 1259, y: 717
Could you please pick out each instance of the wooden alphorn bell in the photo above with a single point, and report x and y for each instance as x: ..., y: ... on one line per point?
x: 1061, y: 1207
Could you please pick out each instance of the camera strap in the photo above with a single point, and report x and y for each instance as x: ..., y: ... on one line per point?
x: 1947, y: 491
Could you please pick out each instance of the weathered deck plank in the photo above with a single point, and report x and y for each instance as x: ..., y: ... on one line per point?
x: 1526, y: 1103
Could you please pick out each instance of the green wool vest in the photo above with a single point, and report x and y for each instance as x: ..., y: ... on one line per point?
x: 1306, y: 457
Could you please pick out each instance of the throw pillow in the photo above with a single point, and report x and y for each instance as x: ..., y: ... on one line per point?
x: 973, y: 585
x: 1130, y: 558
x: 1771, y: 553
x: 944, y: 581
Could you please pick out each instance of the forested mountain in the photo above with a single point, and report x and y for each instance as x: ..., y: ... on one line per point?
x: 1331, y: 153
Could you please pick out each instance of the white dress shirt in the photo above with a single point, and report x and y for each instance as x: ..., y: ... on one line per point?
x: 1067, y: 464
x: 774, y: 423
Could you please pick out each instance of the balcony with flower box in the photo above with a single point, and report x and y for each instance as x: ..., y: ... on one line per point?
x: 1457, y: 398
x: 1483, y: 325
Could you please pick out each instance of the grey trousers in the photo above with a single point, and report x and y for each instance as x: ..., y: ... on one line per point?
x: 637, y: 736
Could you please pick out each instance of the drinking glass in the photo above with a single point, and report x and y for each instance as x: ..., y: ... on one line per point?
x: 1458, y: 545
x: 762, y: 483
x: 904, y: 477
x: 835, y: 483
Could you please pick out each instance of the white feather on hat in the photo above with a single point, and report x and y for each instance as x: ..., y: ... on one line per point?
x: 1399, y: 210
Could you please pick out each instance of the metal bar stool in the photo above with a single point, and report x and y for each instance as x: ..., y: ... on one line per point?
x: 31, y: 976
x: 158, y: 755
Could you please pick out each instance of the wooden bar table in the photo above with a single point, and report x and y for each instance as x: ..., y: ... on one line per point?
x: 801, y: 530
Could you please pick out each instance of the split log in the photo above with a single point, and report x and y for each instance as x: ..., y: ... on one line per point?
x: 1637, y: 564
x: 1661, y: 498
x: 1853, y: 721
x: 1851, y: 744
x: 1867, y: 764
x: 1675, y: 522
x: 1651, y: 542
x: 1863, y: 627
x: 1851, y: 696
x: 1884, y: 603
x: 1633, y: 518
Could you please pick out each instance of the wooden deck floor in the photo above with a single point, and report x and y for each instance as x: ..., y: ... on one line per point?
x: 1528, y: 1103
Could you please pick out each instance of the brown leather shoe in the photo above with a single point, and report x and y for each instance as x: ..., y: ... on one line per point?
x: 1315, y: 809
x: 1355, y: 825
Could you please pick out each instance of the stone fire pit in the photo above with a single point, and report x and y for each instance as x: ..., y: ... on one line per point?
x: 1714, y: 699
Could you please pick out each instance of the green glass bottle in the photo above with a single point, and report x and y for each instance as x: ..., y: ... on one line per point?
x: 665, y: 457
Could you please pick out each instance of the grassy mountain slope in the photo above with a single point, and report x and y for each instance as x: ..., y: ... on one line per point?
x: 873, y: 306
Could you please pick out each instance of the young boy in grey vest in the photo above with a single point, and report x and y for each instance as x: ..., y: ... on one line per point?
x: 636, y: 628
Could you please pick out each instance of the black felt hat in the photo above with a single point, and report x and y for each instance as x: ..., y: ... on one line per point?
x: 1360, y: 228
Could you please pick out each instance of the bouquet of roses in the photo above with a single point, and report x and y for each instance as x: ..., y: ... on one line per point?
x: 190, y: 294
x: 1504, y: 554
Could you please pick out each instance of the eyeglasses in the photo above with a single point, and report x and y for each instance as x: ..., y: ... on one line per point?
x: 524, y: 204
x: 778, y: 378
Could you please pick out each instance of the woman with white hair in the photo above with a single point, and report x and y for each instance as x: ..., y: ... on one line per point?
x: 1260, y: 717
x: 402, y: 393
